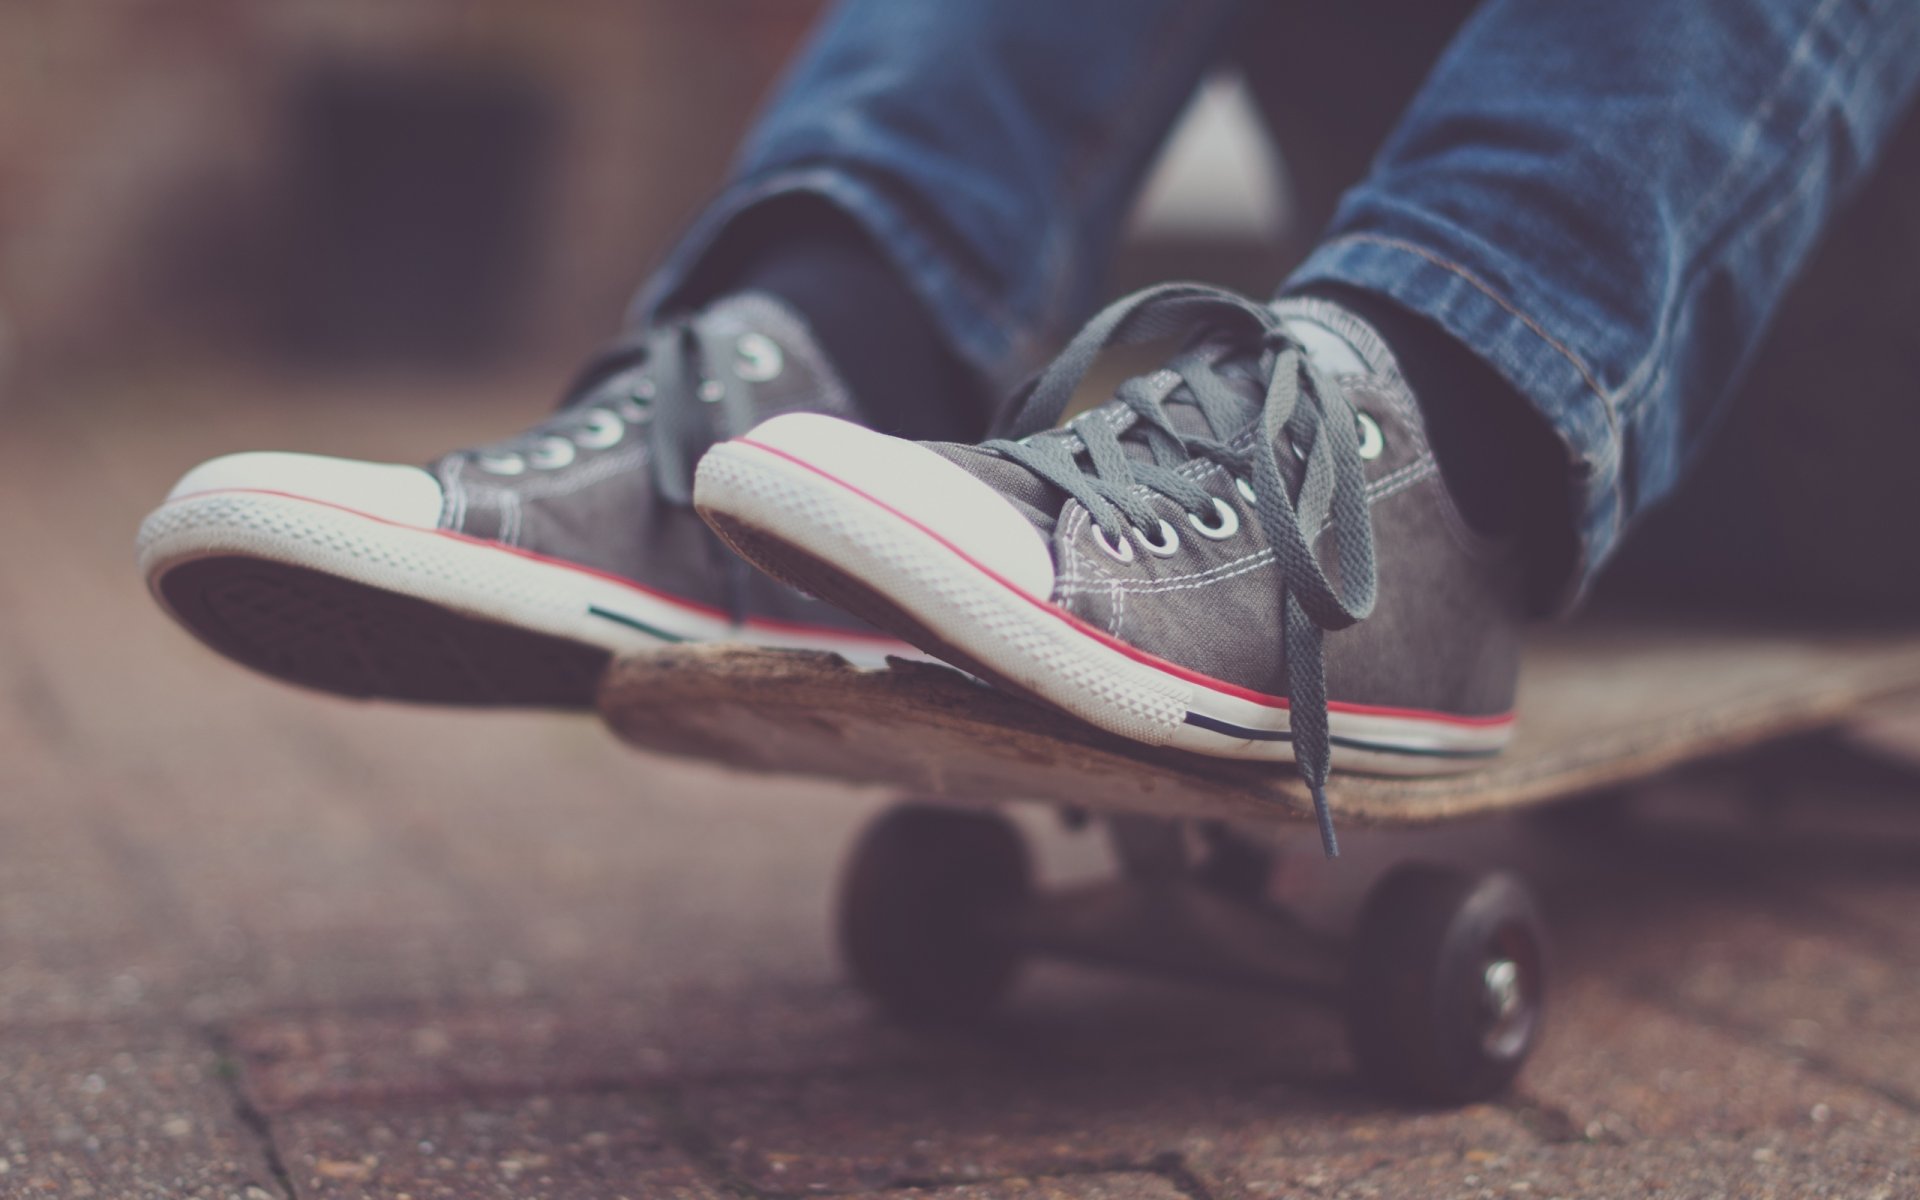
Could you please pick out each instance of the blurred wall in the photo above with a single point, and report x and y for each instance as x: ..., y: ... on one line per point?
x: 351, y: 180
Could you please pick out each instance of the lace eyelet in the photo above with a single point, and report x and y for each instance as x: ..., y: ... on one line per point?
x: 712, y: 391
x: 632, y: 411
x: 1121, y: 553
x: 552, y: 453
x: 1246, y: 491
x: 502, y: 464
x: 643, y: 389
x: 1372, y: 442
x: 604, y: 429
x: 760, y: 358
x: 1167, y: 546
x: 1226, y: 522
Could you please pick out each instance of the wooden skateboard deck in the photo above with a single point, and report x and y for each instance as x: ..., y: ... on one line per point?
x: 1601, y: 703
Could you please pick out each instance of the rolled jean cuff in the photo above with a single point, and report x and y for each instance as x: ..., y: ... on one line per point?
x: 1521, y: 348
x: 983, y: 332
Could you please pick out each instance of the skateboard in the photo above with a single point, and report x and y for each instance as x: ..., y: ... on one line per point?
x: 1442, y: 976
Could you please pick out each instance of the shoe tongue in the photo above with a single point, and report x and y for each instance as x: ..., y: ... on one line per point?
x: 1240, y: 372
x: 793, y: 375
x: 1332, y: 340
x: 1040, y: 502
x: 756, y: 312
x: 1337, y: 341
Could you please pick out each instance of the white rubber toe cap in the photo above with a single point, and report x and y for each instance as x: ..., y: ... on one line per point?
x: 919, y: 485
x: 403, y: 495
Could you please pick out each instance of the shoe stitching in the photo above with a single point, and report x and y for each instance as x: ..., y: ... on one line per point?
x: 1396, y: 397
x: 1242, y: 566
x: 454, y: 512
x: 1389, y: 485
x: 1070, y: 544
x: 1414, y: 474
x: 572, y: 480
x: 510, y: 518
x: 1089, y: 581
x: 1391, y: 482
x: 1074, y: 581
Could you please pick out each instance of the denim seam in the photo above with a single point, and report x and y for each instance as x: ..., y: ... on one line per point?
x: 1486, y: 290
x: 1750, y: 136
x: 1637, y: 386
x: 1599, y: 506
x: 1633, y: 403
x: 1832, y: 98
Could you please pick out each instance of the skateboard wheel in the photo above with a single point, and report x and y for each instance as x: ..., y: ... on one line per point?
x: 1446, y: 982
x: 925, y: 912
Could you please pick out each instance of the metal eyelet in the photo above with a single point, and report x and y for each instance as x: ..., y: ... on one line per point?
x: 712, y: 391
x: 1372, y: 442
x: 502, y: 464
x: 643, y: 388
x: 760, y: 357
x: 1227, y: 522
x: 552, y: 453
x: 604, y: 429
x: 1167, y: 546
x: 1121, y: 553
x: 1246, y: 490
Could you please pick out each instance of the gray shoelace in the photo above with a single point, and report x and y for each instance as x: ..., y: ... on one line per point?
x: 1089, y: 460
x: 674, y: 402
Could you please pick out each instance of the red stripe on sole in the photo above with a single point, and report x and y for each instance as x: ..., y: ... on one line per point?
x: 1133, y: 652
x: 688, y: 606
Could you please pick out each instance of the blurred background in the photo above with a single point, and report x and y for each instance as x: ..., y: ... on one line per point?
x: 423, y: 188
x: 356, y: 203
x: 258, y: 943
x: 367, y: 186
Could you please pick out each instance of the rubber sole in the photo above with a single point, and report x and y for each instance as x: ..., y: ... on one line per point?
x: 827, y: 537
x: 337, y: 600
x: 320, y: 631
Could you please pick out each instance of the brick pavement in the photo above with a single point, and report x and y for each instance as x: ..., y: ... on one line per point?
x: 259, y: 944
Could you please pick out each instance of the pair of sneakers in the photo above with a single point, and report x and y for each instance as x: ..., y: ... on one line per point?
x: 1248, y: 553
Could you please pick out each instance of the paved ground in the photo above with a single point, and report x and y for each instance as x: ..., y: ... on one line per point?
x: 258, y: 944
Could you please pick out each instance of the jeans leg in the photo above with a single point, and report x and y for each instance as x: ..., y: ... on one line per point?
x: 1605, y: 200
x: 991, y: 148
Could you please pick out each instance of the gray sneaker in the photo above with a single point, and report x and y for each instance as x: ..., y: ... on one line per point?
x: 508, y: 573
x: 1171, y: 566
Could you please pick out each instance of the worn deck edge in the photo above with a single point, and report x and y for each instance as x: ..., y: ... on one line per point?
x: 640, y: 696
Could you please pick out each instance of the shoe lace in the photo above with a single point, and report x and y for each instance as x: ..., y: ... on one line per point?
x: 1089, y: 460
x: 686, y: 400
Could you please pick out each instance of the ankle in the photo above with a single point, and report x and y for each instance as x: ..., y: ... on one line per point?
x: 876, y: 332
x: 1503, y: 465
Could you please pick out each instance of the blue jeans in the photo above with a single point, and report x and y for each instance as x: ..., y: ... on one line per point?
x: 1603, y: 200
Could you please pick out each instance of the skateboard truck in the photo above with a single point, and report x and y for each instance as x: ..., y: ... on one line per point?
x: 1441, y: 979
x: 1442, y: 975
